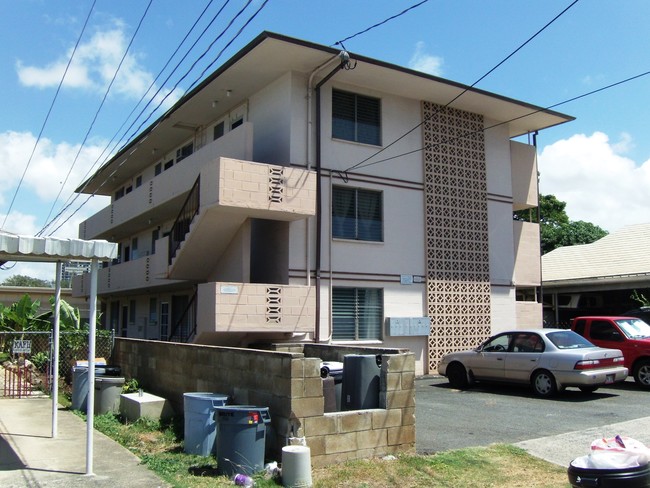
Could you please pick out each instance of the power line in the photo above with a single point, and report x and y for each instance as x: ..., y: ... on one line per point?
x: 465, y: 90
x: 56, y: 94
x: 70, y: 200
x: 135, y: 148
x: 470, y: 133
x: 340, y: 43
x: 101, y: 105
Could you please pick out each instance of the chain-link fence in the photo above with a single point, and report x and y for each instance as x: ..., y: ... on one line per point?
x: 37, y: 347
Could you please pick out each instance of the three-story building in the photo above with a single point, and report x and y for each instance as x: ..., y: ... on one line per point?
x: 300, y: 193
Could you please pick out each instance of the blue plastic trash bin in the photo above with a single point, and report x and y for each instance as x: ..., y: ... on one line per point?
x: 200, y: 427
x: 241, y: 438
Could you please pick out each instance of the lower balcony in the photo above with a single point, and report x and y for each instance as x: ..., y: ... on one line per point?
x: 254, y: 307
x: 146, y: 272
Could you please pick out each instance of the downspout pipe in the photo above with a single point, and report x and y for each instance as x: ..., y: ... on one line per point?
x: 539, y: 223
x: 344, y: 57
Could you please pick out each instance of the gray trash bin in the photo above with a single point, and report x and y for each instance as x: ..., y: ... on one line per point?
x: 80, y: 383
x: 107, y: 394
x: 200, y: 427
x: 360, y: 389
x: 241, y: 438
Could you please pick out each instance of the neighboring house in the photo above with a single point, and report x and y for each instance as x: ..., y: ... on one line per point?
x: 597, y: 278
x: 258, y: 209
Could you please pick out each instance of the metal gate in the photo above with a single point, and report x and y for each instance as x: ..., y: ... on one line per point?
x: 28, y: 367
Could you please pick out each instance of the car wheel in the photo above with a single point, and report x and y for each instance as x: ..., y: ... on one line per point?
x: 544, y: 384
x: 642, y: 373
x: 457, y: 376
x: 588, y: 389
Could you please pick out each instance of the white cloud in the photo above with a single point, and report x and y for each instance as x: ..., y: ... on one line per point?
x: 93, y: 67
x: 43, y: 180
x: 427, y: 63
x: 598, y: 184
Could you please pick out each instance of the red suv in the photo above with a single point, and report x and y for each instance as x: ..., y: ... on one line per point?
x: 629, y: 334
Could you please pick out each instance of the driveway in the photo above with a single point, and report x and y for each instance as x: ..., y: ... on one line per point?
x: 451, y: 419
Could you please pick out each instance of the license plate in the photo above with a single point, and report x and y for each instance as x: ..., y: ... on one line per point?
x: 609, y: 379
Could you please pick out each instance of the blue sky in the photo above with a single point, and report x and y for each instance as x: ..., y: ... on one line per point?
x: 599, y: 164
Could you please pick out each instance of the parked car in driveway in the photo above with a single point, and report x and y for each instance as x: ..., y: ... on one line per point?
x: 629, y: 334
x: 548, y: 360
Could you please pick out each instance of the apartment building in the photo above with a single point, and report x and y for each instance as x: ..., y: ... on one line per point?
x: 300, y: 193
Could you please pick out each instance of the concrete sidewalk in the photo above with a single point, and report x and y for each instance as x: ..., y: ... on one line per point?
x: 563, y: 448
x: 30, y: 457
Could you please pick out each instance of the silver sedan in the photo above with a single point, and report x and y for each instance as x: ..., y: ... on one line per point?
x: 547, y: 359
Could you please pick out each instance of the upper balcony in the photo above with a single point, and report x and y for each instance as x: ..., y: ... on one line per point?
x: 226, y: 194
x: 160, y: 198
x: 524, y: 175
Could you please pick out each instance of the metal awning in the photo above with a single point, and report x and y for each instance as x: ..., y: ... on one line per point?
x: 55, y: 250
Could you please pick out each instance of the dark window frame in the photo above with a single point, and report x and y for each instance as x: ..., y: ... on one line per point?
x: 356, y: 118
x: 354, y: 315
x: 357, y: 214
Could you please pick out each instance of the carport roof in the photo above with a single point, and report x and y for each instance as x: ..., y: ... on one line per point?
x: 51, y: 249
x: 621, y: 256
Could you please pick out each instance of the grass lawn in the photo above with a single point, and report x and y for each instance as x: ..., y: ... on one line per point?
x: 160, y: 448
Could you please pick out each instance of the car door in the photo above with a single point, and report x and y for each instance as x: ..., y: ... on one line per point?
x: 604, y: 333
x: 521, y: 361
x: 489, y: 361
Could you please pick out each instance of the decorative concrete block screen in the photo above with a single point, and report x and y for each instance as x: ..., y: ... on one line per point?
x: 285, y: 378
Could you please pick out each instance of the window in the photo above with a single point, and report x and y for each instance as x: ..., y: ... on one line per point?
x: 236, y: 123
x: 356, y: 214
x: 157, y: 169
x: 357, y: 313
x: 356, y: 118
x: 218, y: 131
x: 119, y: 193
x: 184, y: 152
x: 169, y: 164
x: 138, y: 181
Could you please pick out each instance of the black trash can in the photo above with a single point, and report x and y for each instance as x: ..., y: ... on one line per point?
x: 360, y: 388
x: 241, y: 438
x: 630, y: 477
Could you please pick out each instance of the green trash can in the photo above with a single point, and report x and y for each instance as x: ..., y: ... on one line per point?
x: 200, y: 428
x: 241, y: 438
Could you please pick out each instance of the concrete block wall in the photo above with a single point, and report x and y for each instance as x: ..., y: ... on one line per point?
x: 287, y: 380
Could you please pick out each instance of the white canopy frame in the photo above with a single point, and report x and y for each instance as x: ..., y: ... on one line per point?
x: 52, y: 249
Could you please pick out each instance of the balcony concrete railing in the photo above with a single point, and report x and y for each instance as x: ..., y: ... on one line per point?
x: 252, y: 307
x: 148, y: 271
x: 524, y: 175
x: 161, y: 196
x: 527, y: 253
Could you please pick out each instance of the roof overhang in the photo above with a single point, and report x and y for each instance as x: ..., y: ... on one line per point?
x: 269, y: 56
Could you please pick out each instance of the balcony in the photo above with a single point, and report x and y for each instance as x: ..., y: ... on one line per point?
x: 527, y: 254
x: 145, y: 272
x: 160, y: 198
x: 524, y: 175
x: 251, y: 307
x: 229, y: 192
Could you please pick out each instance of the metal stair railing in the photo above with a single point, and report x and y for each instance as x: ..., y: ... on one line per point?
x: 182, y: 223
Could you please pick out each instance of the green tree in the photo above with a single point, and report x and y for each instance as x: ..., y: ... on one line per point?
x: 24, y: 315
x: 22, y: 280
x: 556, y: 229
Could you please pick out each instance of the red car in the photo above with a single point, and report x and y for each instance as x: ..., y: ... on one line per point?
x: 629, y: 334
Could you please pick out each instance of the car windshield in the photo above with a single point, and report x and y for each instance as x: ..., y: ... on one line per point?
x: 634, y: 328
x: 567, y: 339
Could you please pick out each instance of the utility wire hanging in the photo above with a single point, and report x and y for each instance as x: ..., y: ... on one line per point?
x: 99, y: 109
x: 56, y: 94
x: 465, y: 90
x: 72, y: 198
x: 135, y: 148
x: 470, y: 133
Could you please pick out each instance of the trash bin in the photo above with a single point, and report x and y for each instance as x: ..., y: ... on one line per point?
x: 80, y: 383
x: 332, y: 374
x: 200, y: 427
x: 581, y: 475
x: 107, y: 394
x: 360, y: 389
x: 241, y: 438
